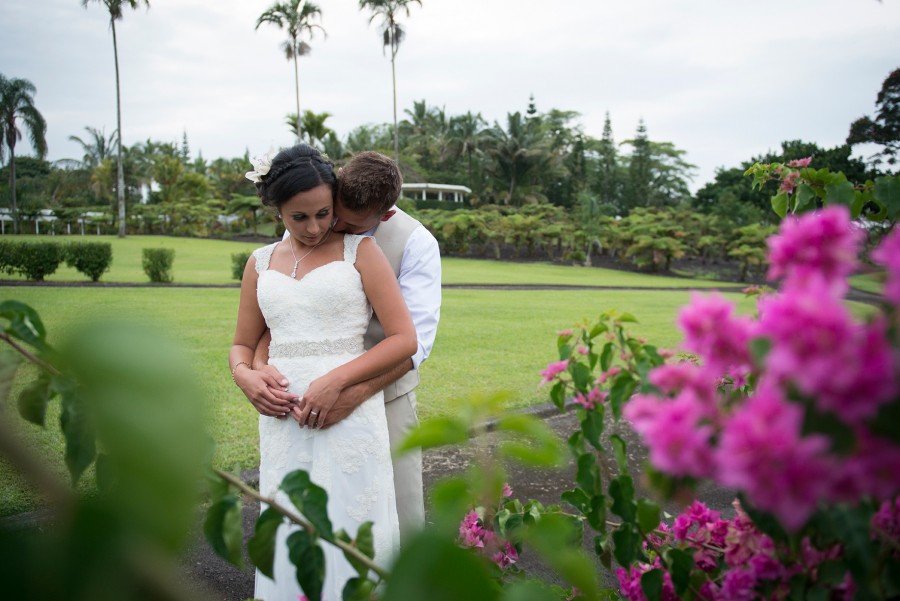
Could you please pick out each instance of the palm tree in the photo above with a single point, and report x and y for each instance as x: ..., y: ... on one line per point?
x: 467, y: 135
x: 114, y: 7
x: 17, y: 105
x: 312, y: 125
x: 519, y: 151
x: 392, y: 34
x: 296, y: 16
x: 96, y: 147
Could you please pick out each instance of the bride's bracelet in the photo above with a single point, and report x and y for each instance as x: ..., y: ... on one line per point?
x: 237, y: 365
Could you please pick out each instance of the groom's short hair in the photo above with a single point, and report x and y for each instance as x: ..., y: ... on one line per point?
x: 369, y: 182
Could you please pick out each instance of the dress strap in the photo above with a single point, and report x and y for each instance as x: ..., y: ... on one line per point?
x: 262, y: 257
x: 351, y: 243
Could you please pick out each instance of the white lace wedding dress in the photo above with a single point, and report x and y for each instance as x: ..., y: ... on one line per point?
x: 317, y: 323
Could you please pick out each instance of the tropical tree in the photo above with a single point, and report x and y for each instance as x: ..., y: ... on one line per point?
x: 296, y: 16
x: 519, y: 152
x: 96, y: 147
x: 392, y: 34
x: 17, y: 106
x: 311, y: 127
x: 115, y: 7
x: 467, y: 138
x: 884, y: 129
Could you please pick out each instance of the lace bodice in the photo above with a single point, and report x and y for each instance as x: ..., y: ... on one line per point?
x: 324, y: 312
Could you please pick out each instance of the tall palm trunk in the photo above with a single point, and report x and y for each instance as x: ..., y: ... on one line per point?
x: 120, y: 173
x: 12, y: 183
x: 297, y: 90
x: 394, y: 78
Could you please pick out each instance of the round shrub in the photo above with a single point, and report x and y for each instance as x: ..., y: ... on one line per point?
x: 90, y: 258
x: 157, y: 263
x: 238, y: 262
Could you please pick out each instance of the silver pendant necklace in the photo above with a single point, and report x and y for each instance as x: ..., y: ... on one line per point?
x: 296, y: 260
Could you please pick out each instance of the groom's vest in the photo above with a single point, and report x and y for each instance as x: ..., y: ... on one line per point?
x: 391, y: 236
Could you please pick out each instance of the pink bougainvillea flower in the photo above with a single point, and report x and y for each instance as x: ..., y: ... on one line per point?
x: 800, y: 163
x: 675, y: 433
x: 553, y: 369
x: 822, y: 245
x: 612, y: 372
x: 507, y: 491
x: 506, y: 556
x: 593, y: 398
x: 763, y: 453
x: 888, y: 255
x: 790, y: 181
x: 713, y: 331
x: 847, y: 367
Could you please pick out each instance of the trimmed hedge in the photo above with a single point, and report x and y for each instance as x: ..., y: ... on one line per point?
x: 157, y: 264
x: 238, y: 262
x: 90, y: 258
x: 34, y: 260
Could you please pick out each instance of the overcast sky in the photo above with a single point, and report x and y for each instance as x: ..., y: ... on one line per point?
x: 723, y: 80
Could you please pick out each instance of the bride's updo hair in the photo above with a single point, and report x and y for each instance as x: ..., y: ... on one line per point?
x: 294, y: 170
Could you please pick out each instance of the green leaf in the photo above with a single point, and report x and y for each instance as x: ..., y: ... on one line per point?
x: 528, y: 590
x: 433, y: 567
x: 358, y: 589
x: 34, y: 398
x: 606, y: 356
x: 578, y: 499
x: 887, y: 422
x: 680, y: 565
x: 565, y: 350
x: 618, y: 445
x: 621, y: 489
x: 596, y: 517
x: 558, y: 395
x: 766, y: 522
x: 9, y: 365
x: 436, y: 432
x: 839, y: 193
x: 78, y: 431
x: 841, y: 435
x: 887, y: 192
x: 622, y: 388
x: 651, y: 584
x: 576, y: 443
x: 558, y: 541
x: 627, y: 318
x: 804, y: 196
x: 261, y: 546
x: 603, y: 550
x: 851, y: 526
x: 366, y: 545
x: 587, y: 476
x: 627, y: 543
x: 780, y: 203
x: 538, y: 446
x: 647, y: 515
x: 449, y: 500
x: 759, y: 350
x: 223, y: 529
x: 310, y: 499
x: 306, y: 554
x: 581, y: 376
x: 598, y: 329
x: 857, y: 205
x: 592, y: 426
x: 24, y: 323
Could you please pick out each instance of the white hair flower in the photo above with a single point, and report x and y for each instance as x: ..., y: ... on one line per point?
x: 261, y: 166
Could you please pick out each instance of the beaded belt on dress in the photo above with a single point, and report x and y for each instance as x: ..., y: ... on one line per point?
x: 309, y: 348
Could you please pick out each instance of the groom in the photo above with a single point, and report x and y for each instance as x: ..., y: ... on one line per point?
x: 368, y: 186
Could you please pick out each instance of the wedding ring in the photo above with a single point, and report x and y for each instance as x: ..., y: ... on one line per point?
x: 314, y: 413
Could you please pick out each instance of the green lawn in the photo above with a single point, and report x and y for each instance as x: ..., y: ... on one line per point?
x: 869, y: 282
x: 488, y: 340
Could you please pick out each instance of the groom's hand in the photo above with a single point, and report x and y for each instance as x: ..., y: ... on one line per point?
x: 349, y: 399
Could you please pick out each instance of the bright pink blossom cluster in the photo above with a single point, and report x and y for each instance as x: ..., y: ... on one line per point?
x: 888, y: 255
x: 820, y: 360
x: 553, y: 369
x: 741, y: 562
x: 474, y: 534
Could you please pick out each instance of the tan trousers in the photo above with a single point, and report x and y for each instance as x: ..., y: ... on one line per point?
x: 401, y: 419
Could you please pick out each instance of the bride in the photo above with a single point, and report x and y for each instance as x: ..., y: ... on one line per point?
x: 315, y: 291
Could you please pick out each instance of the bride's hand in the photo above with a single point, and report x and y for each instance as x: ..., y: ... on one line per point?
x: 317, y: 401
x: 264, y: 392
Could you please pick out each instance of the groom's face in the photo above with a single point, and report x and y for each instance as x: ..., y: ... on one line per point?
x: 354, y: 222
